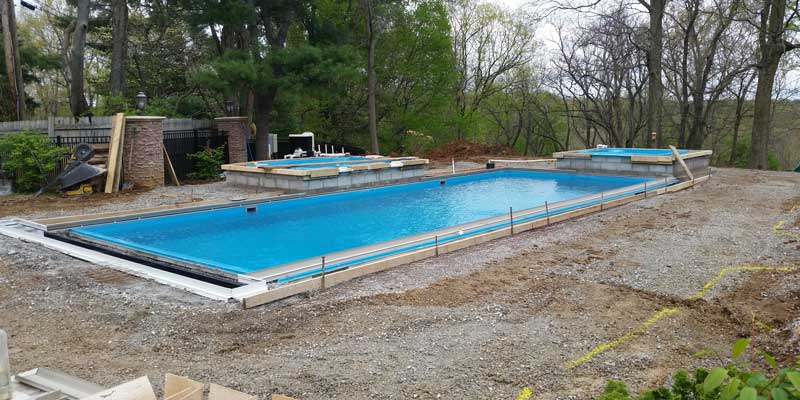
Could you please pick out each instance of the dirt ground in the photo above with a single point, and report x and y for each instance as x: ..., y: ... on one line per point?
x: 483, y: 322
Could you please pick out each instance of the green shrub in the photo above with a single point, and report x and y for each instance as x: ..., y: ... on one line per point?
x: 772, y: 162
x: 417, y: 143
x: 736, y: 381
x: 207, y: 163
x: 30, y: 156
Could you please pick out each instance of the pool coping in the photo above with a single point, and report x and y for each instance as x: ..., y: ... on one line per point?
x: 635, y: 158
x: 316, y: 173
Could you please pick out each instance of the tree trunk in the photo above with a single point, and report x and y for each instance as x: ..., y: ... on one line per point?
x: 77, y: 100
x: 737, y: 122
x: 762, y: 113
x: 119, y: 52
x: 264, y: 103
x: 13, y: 68
x: 654, y: 85
x: 372, y: 80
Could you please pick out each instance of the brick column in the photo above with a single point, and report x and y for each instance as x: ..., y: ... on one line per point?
x: 144, y: 166
x: 237, y: 131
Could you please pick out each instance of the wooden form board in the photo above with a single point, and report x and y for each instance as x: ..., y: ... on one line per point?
x: 680, y: 160
x: 181, y: 388
x: 137, y: 389
x: 114, y: 174
x: 170, y: 168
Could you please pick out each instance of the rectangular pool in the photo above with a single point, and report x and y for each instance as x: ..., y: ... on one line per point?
x: 235, y: 240
x: 628, y: 152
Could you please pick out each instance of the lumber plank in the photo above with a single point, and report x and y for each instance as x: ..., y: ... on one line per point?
x: 115, y: 153
x: 217, y: 392
x: 680, y: 160
x: 137, y: 389
x: 170, y: 168
x: 182, y: 388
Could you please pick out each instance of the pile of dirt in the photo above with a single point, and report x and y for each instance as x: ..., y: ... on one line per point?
x: 461, y: 149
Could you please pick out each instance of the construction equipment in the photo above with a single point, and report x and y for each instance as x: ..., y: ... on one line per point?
x: 73, y: 180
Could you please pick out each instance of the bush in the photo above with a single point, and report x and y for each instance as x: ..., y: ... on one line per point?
x: 29, y: 156
x: 207, y: 163
x: 772, y: 162
x: 738, y: 380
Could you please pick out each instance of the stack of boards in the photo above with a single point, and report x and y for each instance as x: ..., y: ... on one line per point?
x: 175, y: 388
x: 115, y: 149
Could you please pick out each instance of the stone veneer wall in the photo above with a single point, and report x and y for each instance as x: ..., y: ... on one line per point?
x: 623, y: 166
x: 345, y: 180
x: 144, y: 166
x: 237, y: 131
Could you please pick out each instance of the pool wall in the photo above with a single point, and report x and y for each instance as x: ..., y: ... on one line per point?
x: 639, y: 165
x: 326, y: 178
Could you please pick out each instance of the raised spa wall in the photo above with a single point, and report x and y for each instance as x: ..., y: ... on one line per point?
x: 696, y: 160
x: 325, y: 179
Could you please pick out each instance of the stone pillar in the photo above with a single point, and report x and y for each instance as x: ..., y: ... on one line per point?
x: 144, y: 166
x: 237, y: 131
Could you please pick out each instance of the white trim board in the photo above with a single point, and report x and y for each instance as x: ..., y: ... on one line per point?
x: 14, y: 229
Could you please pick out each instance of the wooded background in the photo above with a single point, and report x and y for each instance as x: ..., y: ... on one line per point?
x: 408, y: 75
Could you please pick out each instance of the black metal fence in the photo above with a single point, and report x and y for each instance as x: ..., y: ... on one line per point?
x: 178, y: 144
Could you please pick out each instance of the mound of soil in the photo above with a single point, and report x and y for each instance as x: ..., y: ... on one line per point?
x: 463, y: 149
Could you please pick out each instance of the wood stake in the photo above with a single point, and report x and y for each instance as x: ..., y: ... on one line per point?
x: 171, y: 170
x: 114, y: 171
x: 680, y: 160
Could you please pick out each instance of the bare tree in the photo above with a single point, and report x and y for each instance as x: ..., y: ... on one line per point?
x: 77, y: 99
x: 13, y: 67
x: 119, y: 52
x: 488, y: 43
x: 772, y: 23
x: 372, y: 80
x: 605, y: 76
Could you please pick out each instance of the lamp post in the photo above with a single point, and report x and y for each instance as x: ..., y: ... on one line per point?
x: 141, y: 102
x: 231, y: 108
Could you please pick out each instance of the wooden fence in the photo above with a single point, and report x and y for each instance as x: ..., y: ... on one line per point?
x: 97, y: 126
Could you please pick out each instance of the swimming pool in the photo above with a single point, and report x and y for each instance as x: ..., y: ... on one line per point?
x: 627, y: 152
x: 299, y: 161
x: 235, y: 240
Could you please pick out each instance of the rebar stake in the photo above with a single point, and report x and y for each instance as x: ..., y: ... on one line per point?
x: 547, y: 212
x: 511, y: 218
x: 436, y: 244
x: 323, y: 272
x: 601, y: 201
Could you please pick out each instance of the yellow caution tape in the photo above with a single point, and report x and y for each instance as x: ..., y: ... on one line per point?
x: 525, y: 394
x: 724, y: 271
x: 622, y: 339
x: 777, y: 230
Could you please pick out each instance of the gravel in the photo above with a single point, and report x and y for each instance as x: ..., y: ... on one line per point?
x: 482, y: 322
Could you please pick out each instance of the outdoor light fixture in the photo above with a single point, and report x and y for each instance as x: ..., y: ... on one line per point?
x: 232, y: 108
x: 141, y: 101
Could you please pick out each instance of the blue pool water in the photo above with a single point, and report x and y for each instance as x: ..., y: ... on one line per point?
x: 351, y: 162
x: 625, y: 152
x: 295, y: 161
x: 234, y: 240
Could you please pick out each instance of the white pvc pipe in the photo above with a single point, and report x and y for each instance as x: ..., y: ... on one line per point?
x: 5, y: 369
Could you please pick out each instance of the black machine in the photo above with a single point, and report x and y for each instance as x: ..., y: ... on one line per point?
x: 76, y: 173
